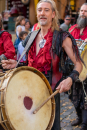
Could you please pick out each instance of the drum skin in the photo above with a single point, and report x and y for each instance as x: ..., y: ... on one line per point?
x: 83, y: 74
x: 27, y: 89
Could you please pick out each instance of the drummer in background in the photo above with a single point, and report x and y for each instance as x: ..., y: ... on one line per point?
x: 45, y: 55
x: 79, y: 31
x: 7, y: 50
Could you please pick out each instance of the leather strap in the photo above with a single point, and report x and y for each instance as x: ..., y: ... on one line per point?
x: 55, y: 34
x: 28, y: 45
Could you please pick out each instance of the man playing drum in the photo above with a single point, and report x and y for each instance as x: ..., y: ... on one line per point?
x: 49, y: 50
x: 79, y: 31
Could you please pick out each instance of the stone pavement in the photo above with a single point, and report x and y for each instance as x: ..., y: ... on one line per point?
x: 67, y: 113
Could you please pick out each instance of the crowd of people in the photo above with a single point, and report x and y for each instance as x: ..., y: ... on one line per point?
x: 52, y: 45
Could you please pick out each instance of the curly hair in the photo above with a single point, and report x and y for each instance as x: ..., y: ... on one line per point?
x: 18, y: 20
x: 55, y: 21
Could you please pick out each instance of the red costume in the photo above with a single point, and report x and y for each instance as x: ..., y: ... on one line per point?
x: 50, y: 60
x: 6, y: 45
x: 43, y: 60
x: 76, y: 32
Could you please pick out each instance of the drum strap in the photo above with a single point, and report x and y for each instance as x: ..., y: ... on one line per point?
x: 32, y: 37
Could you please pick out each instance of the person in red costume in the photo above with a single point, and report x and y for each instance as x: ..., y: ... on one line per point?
x: 49, y: 49
x: 79, y: 31
x: 7, y: 50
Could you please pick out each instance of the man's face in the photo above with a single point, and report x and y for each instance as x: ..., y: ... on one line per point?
x: 45, y: 14
x: 82, y: 19
x: 83, y: 11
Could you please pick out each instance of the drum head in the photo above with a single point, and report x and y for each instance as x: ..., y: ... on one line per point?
x: 27, y: 90
x: 83, y: 74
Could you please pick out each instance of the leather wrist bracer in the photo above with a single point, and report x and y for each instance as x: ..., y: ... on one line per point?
x: 74, y: 75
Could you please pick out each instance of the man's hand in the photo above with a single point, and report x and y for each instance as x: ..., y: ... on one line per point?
x: 65, y: 85
x: 9, y: 64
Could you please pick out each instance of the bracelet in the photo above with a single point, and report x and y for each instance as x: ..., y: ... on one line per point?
x: 74, y: 75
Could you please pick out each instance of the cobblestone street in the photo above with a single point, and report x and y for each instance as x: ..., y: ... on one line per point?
x: 67, y: 113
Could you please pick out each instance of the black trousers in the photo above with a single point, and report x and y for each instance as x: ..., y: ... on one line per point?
x: 56, y: 125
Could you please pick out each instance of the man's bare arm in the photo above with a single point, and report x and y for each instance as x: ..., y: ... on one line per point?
x: 67, y: 45
x: 66, y: 84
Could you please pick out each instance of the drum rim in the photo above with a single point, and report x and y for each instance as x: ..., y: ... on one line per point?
x: 48, y: 86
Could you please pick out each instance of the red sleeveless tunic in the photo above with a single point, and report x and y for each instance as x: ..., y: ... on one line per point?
x: 43, y: 60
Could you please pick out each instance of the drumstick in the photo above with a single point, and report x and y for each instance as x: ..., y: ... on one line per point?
x: 37, y: 109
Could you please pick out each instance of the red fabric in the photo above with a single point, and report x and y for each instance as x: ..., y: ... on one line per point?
x: 76, y: 33
x: 56, y: 75
x: 42, y: 61
x: 35, y: 27
x: 6, y: 45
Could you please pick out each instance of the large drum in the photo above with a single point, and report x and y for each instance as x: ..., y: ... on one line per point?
x: 22, y: 91
x: 83, y: 52
x: 82, y: 46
